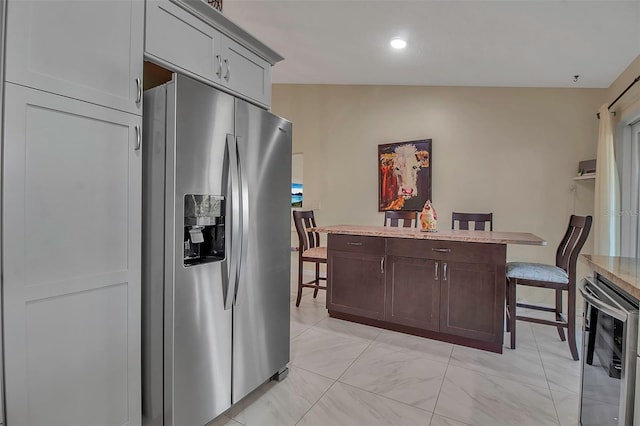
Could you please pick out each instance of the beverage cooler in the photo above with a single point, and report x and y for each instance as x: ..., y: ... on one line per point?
x: 609, y: 355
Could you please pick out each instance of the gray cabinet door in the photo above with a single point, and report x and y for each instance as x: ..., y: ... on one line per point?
x: 245, y: 73
x: 183, y: 41
x: 71, y: 246
x: 87, y: 50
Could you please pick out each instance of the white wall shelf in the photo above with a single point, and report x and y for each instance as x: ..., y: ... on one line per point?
x: 585, y: 176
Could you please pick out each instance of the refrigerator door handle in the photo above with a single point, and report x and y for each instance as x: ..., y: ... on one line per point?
x: 234, y: 248
x: 244, y: 190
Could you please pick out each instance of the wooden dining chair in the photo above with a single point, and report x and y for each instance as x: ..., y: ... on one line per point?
x: 393, y: 218
x: 561, y: 277
x: 479, y: 220
x: 309, y: 250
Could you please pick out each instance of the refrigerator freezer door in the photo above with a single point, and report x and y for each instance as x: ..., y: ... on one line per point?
x: 198, y: 344
x: 261, y: 311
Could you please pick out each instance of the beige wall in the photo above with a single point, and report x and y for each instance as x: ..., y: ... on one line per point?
x: 512, y: 151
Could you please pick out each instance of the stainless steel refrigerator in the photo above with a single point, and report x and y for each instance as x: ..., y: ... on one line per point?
x: 216, y: 259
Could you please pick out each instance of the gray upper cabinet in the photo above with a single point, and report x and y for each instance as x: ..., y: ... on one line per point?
x: 191, y: 37
x: 186, y: 43
x: 245, y: 73
x: 87, y: 50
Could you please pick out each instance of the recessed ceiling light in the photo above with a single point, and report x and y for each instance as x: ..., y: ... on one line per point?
x: 398, y: 43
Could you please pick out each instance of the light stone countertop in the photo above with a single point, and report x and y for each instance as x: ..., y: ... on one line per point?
x: 442, y: 235
x: 624, y: 272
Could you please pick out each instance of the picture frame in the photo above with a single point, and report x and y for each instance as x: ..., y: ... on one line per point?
x: 296, y: 195
x: 404, y: 175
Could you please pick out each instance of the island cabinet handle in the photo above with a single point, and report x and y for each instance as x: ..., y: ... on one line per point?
x: 444, y: 271
x: 435, y: 276
x: 353, y: 244
x: 441, y: 250
x: 382, y: 265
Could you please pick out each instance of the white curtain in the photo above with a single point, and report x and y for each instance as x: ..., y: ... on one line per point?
x: 606, y: 221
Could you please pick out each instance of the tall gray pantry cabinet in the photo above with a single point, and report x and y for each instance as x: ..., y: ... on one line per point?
x: 71, y: 191
x: 71, y: 217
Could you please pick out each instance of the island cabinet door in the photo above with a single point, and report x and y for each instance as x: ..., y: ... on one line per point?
x: 355, y: 274
x: 472, y: 300
x: 356, y: 284
x: 413, y: 292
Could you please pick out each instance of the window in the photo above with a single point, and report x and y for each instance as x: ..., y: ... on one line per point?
x: 628, y: 160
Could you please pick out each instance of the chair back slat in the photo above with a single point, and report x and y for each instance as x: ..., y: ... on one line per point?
x: 303, y: 220
x: 572, y: 243
x: 393, y: 217
x: 479, y: 221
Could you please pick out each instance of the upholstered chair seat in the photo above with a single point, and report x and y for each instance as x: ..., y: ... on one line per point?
x: 537, y: 272
x: 318, y: 253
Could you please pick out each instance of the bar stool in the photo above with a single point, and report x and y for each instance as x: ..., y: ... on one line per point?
x: 561, y: 277
x: 309, y: 250
x: 478, y: 219
x: 409, y: 219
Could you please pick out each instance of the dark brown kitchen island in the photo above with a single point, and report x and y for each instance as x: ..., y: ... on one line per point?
x: 448, y: 285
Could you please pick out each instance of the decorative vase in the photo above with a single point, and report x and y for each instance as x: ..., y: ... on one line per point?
x: 217, y: 4
x: 428, y: 218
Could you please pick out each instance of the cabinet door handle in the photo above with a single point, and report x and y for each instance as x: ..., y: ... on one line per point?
x: 435, y: 276
x: 219, y: 72
x: 353, y: 244
x: 444, y: 271
x: 138, y: 138
x: 382, y: 265
x: 138, y: 90
x: 441, y: 250
x: 227, y: 75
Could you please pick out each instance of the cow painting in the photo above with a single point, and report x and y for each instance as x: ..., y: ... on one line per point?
x: 404, y: 171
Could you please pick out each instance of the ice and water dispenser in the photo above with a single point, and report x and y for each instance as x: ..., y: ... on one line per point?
x: 203, y: 229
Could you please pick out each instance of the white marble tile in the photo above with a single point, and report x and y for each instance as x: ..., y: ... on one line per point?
x: 434, y: 349
x: 562, y: 372
x: 348, y: 328
x: 325, y: 352
x: 223, y: 420
x: 482, y: 399
x: 437, y: 420
x: 567, y: 407
x: 524, y: 337
x: 281, y: 403
x: 297, y: 328
x: 408, y: 377
x: 350, y: 406
x: 522, y: 364
x: 546, y: 333
x: 310, y: 312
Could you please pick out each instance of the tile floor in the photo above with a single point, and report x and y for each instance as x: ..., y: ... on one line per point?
x: 347, y: 374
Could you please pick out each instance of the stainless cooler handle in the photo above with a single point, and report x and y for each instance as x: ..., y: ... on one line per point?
x: 592, y: 298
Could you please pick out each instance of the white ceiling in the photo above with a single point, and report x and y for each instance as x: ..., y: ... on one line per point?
x: 459, y: 43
